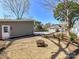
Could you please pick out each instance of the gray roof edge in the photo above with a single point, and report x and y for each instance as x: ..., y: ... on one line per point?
x: 16, y: 20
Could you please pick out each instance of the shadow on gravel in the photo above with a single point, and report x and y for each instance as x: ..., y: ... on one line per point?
x: 73, y: 54
x: 4, y: 46
x: 61, y: 49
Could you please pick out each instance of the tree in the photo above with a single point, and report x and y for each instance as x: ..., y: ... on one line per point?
x: 38, y: 26
x: 47, y: 25
x: 17, y: 7
x: 64, y: 10
x: 67, y: 11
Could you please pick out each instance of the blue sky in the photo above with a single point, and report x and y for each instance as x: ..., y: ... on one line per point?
x: 36, y: 11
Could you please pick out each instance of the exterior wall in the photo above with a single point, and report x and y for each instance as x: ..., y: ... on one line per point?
x: 75, y: 28
x: 76, y: 31
x: 18, y: 28
x: 0, y: 32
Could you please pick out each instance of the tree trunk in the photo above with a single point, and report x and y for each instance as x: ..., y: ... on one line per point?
x: 68, y: 32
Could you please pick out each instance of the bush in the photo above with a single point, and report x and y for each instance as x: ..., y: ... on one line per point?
x: 61, y: 36
x: 45, y: 36
x: 73, y: 36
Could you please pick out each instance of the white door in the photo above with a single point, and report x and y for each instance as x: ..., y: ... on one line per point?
x: 5, y: 31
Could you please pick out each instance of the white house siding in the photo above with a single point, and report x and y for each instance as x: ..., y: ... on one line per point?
x: 19, y: 28
x: 75, y: 28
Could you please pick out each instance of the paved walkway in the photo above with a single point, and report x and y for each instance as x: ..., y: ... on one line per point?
x: 41, y: 33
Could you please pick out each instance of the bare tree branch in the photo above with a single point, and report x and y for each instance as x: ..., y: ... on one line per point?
x: 18, y: 7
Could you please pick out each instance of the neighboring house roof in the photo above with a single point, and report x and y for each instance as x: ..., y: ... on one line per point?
x: 16, y: 20
x: 55, y: 26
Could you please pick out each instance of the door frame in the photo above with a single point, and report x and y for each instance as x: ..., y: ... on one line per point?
x: 6, y: 35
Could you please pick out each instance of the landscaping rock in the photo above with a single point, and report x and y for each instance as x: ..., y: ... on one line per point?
x: 41, y: 43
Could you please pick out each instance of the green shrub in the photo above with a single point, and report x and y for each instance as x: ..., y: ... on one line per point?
x: 45, y: 36
x: 61, y: 36
x: 73, y: 36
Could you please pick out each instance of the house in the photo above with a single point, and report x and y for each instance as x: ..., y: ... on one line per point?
x: 56, y: 27
x: 75, y: 28
x: 13, y: 28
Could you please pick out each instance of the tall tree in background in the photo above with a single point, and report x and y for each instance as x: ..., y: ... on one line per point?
x: 64, y: 10
x: 67, y: 11
x: 38, y: 26
x: 17, y: 7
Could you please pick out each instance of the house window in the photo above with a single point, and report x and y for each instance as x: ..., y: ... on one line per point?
x: 5, y: 29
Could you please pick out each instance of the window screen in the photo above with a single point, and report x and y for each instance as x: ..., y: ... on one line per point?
x: 5, y: 29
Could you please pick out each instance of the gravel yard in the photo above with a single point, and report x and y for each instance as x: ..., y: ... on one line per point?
x: 26, y: 48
